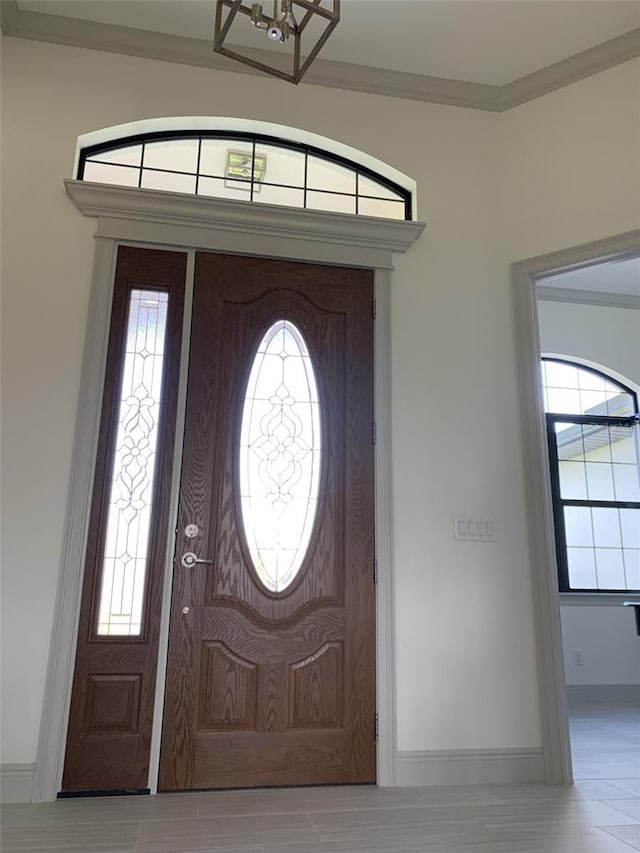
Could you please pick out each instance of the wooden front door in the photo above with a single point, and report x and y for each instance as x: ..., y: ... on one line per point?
x: 273, y: 683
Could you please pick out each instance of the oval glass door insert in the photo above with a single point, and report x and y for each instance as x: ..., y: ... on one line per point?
x: 280, y: 450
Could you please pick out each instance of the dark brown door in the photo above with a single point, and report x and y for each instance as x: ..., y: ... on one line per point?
x: 268, y: 684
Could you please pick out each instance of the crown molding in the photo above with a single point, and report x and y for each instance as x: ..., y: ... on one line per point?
x: 92, y: 35
x: 587, y: 297
x: 577, y: 67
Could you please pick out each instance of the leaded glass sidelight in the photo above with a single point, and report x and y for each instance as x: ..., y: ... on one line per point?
x: 124, y: 567
x: 280, y: 454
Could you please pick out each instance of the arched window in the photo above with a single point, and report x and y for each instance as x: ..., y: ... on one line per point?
x: 594, y: 443
x: 245, y: 166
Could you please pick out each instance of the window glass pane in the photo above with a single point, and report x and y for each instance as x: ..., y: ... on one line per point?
x: 561, y: 375
x: 630, y: 526
x: 577, y: 526
x: 631, y: 558
x: 129, y: 510
x: 610, y: 568
x: 600, y: 481
x: 214, y: 154
x: 593, y: 403
x: 280, y: 451
x: 331, y: 201
x: 170, y: 181
x: 626, y: 483
x: 219, y: 188
x: 573, y: 480
x: 381, y: 208
x: 620, y: 405
x: 130, y: 156
x: 623, y: 446
x: 280, y: 195
x: 563, y: 401
x: 582, y: 568
x: 606, y: 527
x: 103, y: 173
x: 590, y: 381
x: 325, y: 175
x: 571, y: 442
x: 178, y: 155
x: 367, y: 186
x: 282, y: 165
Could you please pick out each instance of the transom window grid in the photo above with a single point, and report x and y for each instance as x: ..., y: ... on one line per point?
x: 595, y: 479
x: 130, y: 164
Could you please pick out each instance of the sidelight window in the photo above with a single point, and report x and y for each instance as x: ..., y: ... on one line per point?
x: 130, y: 499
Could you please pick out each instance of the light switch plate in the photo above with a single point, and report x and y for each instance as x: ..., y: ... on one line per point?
x: 474, y: 529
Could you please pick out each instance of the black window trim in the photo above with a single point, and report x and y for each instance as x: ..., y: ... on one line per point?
x: 553, y: 418
x: 404, y: 194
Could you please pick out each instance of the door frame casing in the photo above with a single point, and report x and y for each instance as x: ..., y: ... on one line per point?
x: 546, y: 597
x: 174, y: 221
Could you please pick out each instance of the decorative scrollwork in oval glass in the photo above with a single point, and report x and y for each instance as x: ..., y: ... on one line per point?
x: 280, y: 455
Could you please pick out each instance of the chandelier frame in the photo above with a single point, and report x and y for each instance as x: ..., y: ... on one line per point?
x: 306, y: 9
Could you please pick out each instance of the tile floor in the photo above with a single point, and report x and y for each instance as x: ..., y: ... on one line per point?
x: 599, y: 814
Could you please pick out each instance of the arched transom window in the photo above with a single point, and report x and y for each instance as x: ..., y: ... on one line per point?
x: 594, y: 448
x: 245, y: 167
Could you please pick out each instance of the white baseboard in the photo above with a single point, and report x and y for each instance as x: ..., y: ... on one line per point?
x: 469, y: 767
x: 16, y: 782
x: 435, y: 767
x: 580, y: 694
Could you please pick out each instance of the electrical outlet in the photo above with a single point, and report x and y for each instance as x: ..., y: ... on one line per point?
x: 578, y: 658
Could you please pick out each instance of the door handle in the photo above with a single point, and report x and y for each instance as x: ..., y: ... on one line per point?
x: 189, y: 560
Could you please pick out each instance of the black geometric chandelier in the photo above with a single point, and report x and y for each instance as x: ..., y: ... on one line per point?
x: 302, y: 25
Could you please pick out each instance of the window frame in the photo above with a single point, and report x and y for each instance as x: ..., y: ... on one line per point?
x: 558, y: 502
x: 404, y: 195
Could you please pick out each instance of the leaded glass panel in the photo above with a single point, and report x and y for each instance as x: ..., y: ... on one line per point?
x: 280, y: 454
x: 124, y: 568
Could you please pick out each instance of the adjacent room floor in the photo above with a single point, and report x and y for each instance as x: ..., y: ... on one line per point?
x: 599, y: 814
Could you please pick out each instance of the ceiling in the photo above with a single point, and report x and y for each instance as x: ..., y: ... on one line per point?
x: 422, y: 46
x: 481, y: 41
x: 614, y: 277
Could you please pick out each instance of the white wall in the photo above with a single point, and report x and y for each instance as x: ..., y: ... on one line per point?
x: 597, y: 333
x: 466, y: 673
x: 609, y: 337
x: 607, y: 639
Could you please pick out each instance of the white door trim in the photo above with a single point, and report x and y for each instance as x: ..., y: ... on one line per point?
x: 525, y: 274
x: 173, y: 220
x: 62, y: 649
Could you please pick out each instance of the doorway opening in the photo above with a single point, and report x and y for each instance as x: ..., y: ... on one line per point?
x: 529, y: 278
x: 589, y: 325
